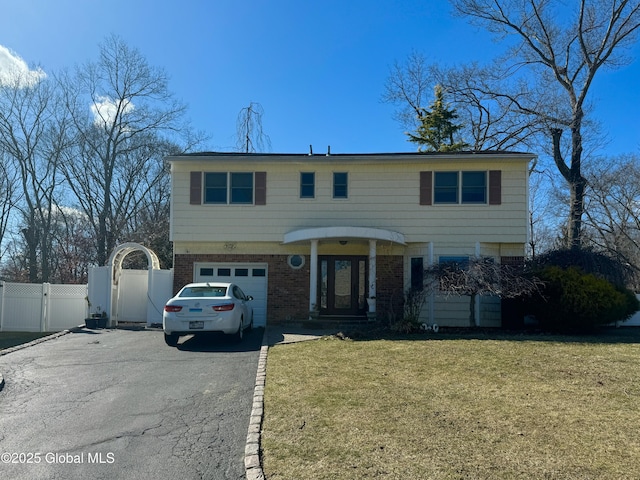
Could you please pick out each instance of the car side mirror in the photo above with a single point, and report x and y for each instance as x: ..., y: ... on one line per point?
x: 249, y: 297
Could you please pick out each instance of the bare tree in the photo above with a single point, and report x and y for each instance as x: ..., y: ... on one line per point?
x: 33, y: 137
x: 543, y: 81
x: 480, y: 276
x: 151, y: 222
x: 250, y: 136
x: 613, y: 209
x: 409, y: 85
x: 561, y: 48
x: 487, y: 120
x: 123, y: 112
x: 8, y: 197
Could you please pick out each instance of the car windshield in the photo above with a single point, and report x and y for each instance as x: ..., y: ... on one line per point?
x: 204, y: 292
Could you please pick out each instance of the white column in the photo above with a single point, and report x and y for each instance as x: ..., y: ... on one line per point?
x: 372, y: 273
x: 313, y: 273
x: 476, y: 306
x: 432, y: 292
x: 2, y: 287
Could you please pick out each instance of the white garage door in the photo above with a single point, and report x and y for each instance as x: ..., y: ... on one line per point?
x: 250, y: 277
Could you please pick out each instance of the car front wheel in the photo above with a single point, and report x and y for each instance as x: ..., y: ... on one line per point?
x: 171, y: 339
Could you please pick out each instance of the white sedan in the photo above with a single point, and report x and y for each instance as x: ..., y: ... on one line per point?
x: 207, y: 307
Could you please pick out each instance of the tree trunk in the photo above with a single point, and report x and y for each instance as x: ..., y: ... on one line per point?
x: 576, y: 189
x: 576, y: 181
x: 30, y: 236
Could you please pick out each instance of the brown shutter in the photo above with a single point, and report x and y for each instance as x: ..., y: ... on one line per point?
x: 426, y: 186
x: 495, y: 187
x: 260, y: 188
x: 195, y: 188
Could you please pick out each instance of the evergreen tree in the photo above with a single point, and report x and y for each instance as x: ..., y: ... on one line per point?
x: 437, y: 129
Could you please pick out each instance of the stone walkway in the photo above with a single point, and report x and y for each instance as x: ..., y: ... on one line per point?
x: 282, y: 334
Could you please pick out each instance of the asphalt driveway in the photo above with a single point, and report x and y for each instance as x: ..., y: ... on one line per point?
x: 110, y: 404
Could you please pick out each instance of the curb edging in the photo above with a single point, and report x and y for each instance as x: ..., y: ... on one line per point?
x: 252, y: 462
x: 53, y: 336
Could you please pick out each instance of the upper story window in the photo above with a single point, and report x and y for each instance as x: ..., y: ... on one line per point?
x: 215, y: 187
x: 228, y: 188
x: 241, y: 187
x: 474, y: 187
x: 460, y: 187
x: 340, y: 185
x: 307, y: 185
x: 445, y: 189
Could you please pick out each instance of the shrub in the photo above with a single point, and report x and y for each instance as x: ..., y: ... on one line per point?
x: 588, y: 261
x: 574, y: 300
x: 631, y: 301
x: 413, y: 302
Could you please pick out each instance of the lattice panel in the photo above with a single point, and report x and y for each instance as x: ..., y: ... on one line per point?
x: 68, y: 291
x: 23, y: 290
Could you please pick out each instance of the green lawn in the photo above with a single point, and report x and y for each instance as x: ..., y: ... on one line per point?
x: 11, y: 339
x: 447, y: 407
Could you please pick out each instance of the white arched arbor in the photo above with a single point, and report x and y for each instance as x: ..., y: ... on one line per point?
x: 115, y: 271
x: 120, y: 253
x: 316, y: 235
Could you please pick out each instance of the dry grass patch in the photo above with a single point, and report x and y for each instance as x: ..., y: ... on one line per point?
x: 452, y: 408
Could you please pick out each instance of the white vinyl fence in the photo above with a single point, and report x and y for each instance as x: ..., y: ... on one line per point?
x: 634, y: 321
x: 30, y: 307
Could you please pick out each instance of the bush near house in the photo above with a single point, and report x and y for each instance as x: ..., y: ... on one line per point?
x: 577, y: 301
x: 589, y: 261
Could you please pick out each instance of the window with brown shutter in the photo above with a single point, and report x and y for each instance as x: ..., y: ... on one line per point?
x: 426, y: 185
x: 495, y: 187
x: 195, y: 188
x: 260, y: 197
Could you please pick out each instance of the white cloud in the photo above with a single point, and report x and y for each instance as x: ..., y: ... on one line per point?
x: 14, y: 69
x: 105, y: 109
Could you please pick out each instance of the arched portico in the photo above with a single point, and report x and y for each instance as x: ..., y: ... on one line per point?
x: 337, y: 233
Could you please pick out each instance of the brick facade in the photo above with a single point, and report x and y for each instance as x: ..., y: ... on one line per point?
x: 288, y: 289
x: 390, y: 287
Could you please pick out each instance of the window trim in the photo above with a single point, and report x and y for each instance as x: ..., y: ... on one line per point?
x: 198, y: 188
x: 470, y: 187
x: 438, y: 189
x: 206, y: 188
x: 240, y: 190
x: 491, y: 192
x: 311, y: 185
x: 346, y: 186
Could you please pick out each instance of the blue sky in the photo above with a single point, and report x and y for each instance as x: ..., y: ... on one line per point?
x: 317, y: 67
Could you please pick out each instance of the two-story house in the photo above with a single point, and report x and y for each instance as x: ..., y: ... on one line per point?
x: 345, y: 234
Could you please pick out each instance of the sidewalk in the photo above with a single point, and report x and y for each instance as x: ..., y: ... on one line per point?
x: 283, y: 334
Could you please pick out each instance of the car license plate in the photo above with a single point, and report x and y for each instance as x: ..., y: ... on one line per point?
x: 196, y: 325
x: 196, y: 310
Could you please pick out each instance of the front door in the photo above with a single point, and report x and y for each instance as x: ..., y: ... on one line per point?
x: 343, y: 285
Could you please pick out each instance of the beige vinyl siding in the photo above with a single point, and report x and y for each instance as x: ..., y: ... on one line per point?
x: 380, y: 195
x: 453, y: 311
